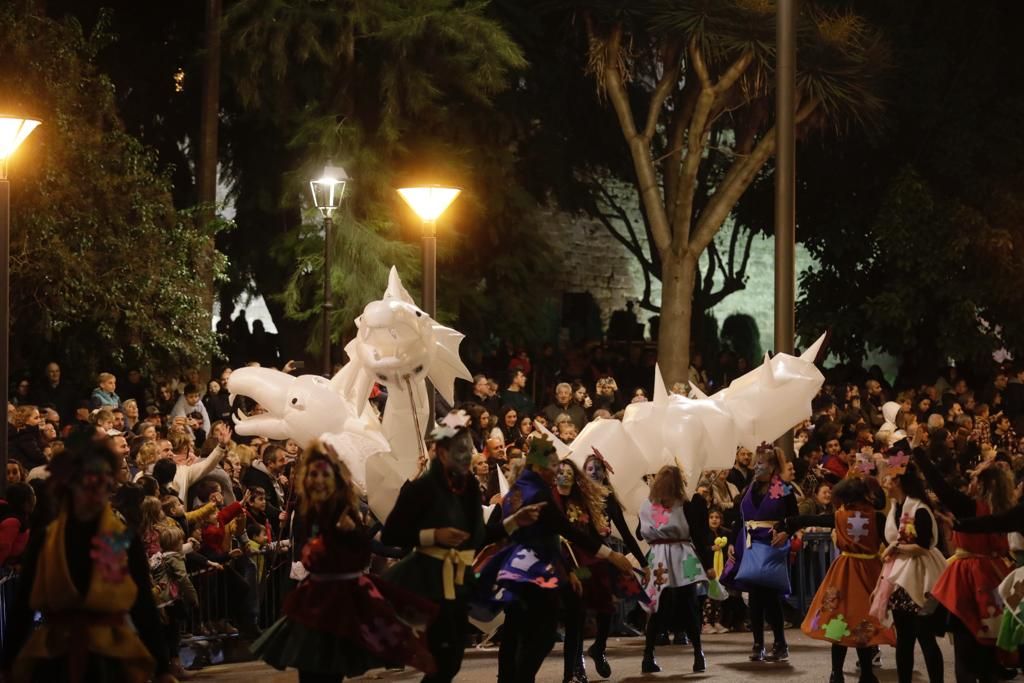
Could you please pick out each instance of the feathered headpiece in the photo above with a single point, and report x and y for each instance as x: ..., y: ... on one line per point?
x: 597, y: 454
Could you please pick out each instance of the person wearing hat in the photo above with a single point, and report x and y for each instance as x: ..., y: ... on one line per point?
x: 439, y: 517
x: 86, y: 573
x: 525, y: 577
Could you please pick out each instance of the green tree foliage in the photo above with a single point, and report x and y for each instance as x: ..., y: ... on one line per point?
x: 919, y: 231
x: 102, y: 264
x: 397, y: 92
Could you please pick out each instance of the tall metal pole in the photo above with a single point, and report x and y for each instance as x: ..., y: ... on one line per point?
x: 5, y: 300
x: 327, y: 297
x: 785, y: 183
x: 430, y: 298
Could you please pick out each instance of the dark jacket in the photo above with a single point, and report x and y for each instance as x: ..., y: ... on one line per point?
x: 26, y: 446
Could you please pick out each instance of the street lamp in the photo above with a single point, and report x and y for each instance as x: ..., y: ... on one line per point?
x: 429, y: 202
x: 327, y: 192
x: 13, y: 131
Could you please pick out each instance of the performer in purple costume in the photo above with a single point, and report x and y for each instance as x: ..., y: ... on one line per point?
x: 767, y: 501
x: 525, y: 576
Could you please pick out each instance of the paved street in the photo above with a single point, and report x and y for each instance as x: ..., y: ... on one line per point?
x: 726, y: 654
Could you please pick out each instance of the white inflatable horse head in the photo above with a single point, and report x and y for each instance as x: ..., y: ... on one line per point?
x: 396, y: 343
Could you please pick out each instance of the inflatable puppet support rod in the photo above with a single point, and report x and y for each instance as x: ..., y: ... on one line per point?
x: 396, y: 345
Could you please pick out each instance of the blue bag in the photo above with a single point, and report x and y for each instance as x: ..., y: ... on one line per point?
x: 766, y: 566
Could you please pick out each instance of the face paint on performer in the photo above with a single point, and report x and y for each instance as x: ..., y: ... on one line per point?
x: 92, y: 488
x: 319, y: 483
x: 564, y: 479
x: 594, y: 469
x: 766, y: 465
x: 458, y: 454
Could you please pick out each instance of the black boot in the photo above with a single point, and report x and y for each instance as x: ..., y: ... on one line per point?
x: 699, y: 665
x: 604, y: 669
x: 836, y: 677
x: 649, y: 665
x: 757, y: 654
x: 680, y: 638
x: 581, y: 670
x: 779, y: 653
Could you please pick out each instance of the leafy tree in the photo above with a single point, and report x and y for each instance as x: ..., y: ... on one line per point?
x: 102, y: 263
x: 690, y: 84
x: 397, y: 92
x: 919, y: 232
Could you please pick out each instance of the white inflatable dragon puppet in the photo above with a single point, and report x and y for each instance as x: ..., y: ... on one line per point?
x: 699, y: 433
x: 397, y: 345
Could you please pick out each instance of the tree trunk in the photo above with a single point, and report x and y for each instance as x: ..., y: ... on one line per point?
x: 679, y: 271
x: 206, y: 163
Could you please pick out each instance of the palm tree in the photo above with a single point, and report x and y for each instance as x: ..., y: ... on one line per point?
x: 690, y: 83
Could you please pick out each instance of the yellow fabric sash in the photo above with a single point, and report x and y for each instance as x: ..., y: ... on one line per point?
x: 860, y: 556
x: 758, y: 524
x: 453, y: 566
x: 65, y: 632
x: 961, y: 554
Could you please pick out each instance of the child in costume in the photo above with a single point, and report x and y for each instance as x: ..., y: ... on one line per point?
x: 86, y: 573
x: 596, y: 588
x: 524, y: 577
x: 582, y: 501
x: 339, y: 621
x: 676, y: 527
x: 968, y: 587
x: 839, y: 612
x: 911, y: 565
x: 714, y: 611
x: 760, y: 565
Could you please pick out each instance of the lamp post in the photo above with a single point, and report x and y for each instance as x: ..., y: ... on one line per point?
x: 13, y: 131
x: 785, y: 184
x: 429, y: 202
x: 327, y: 192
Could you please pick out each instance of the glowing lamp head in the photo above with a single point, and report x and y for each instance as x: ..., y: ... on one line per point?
x: 13, y: 131
x: 328, y: 189
x: 429, y: 202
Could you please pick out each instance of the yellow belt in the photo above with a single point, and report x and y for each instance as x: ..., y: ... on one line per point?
x: 453, y: 566
x: 860, y: 556
x: 758, y: 524
x: 961, y: 554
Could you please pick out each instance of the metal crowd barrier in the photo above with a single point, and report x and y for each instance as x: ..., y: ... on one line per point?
x: 809, y: 569
x: 8, y: 589
x: 216, y: 607
x: 223, y: 597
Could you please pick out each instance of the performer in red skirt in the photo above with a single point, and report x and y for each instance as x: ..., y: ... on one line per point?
x: 968, y: 587
x: 341, y: 621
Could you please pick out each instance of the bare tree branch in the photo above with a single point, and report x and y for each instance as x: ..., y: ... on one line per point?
x: 665, y: 87
x: 685, y: 101
x: 697, y: 136
x: 736, y: 181
x: 643, y: 164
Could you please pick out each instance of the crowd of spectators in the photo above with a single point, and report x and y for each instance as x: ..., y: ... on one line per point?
x: 208, y: 503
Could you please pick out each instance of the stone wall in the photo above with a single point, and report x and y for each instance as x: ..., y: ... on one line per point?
x: 594, y: 261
